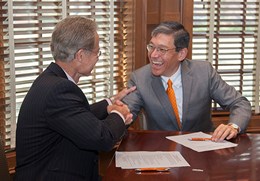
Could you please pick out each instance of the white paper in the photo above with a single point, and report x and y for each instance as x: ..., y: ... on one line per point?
x: 149, y: 159
x: 200, y: 146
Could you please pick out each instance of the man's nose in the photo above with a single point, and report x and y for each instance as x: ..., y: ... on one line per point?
x: 155, y: 53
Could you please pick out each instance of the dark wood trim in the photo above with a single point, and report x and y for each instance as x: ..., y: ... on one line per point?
x: 11, y: 161
x: 140, y: 33
x: 187, y: 21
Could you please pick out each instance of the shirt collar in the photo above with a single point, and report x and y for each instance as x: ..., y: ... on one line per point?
x: 69, y: 77
x: 175, y: 78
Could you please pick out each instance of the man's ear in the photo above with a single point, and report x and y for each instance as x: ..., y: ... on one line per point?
x: 182, y: 54
x: 79, y: 55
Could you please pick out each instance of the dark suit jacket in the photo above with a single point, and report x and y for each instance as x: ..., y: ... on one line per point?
x: 59, y: 134
x: 201, y: 84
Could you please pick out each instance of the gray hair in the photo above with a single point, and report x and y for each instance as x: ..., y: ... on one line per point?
x: 70, y: 35
x: 177, y: 30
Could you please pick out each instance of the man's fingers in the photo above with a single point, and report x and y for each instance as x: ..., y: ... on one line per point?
x: 131, y: 89
x: 119, y: 103
x: 224, y: 132
x: 129, y: 119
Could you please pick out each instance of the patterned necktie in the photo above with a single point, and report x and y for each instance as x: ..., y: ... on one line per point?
x: 172, y: 98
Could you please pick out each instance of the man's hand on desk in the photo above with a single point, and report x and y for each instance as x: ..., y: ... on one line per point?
x: 224, y: 131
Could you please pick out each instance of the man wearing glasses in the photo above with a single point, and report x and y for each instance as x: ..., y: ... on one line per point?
x: 193, y: 84
x: 59, y: 134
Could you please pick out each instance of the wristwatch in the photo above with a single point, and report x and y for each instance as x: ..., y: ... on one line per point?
x: 236, y: 127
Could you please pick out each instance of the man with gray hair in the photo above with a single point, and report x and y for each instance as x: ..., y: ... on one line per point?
x: 59, y: 135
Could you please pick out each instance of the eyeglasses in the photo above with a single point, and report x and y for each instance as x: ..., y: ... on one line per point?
x: 97, y: 54
x: 162, y: 51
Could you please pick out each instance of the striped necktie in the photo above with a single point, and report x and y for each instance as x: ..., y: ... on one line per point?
x: 172, y: 99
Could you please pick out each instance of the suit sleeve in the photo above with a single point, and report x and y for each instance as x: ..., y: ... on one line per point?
x: 230, y: 99
x: 99, y: 109
x: 134, y: 100
x: 68, y: 113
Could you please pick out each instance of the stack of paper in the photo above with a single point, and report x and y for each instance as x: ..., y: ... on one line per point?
x: 146, y: 159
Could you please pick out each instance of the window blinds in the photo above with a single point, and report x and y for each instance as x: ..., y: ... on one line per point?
x: 225, y: 32
x: 26, y: 27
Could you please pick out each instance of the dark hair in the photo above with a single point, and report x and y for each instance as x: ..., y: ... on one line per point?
x: 180, y: 34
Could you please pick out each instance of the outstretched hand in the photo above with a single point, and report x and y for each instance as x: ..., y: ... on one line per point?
x: 122, y: 94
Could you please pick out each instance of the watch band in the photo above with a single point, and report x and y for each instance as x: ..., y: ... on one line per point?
x: 236, y: 127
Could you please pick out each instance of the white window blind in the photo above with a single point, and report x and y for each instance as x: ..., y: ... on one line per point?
x: 26, y: 27
x: 225, y: 32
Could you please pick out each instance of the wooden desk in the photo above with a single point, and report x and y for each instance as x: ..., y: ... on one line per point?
x: 238, y: 163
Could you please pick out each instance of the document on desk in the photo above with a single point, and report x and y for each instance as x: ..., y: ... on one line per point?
x: 149, y: 159
x: 200, y: 146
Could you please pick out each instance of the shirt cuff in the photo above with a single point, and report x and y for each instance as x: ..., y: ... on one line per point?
x: 109, y: 101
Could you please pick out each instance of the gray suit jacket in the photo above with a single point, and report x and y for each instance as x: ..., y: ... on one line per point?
x: 201, y: 84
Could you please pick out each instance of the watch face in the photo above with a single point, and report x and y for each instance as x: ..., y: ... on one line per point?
x: 234, y: 126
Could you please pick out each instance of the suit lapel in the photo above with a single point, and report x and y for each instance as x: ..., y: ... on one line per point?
x: 187, y: 80
x: 158, y: 89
